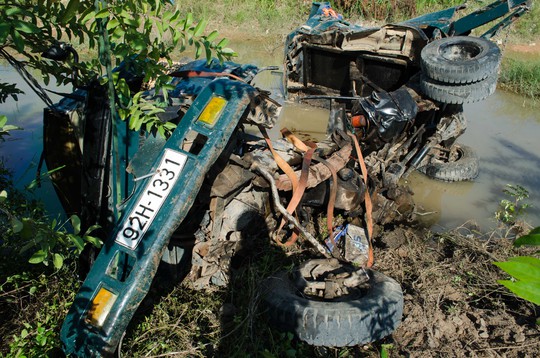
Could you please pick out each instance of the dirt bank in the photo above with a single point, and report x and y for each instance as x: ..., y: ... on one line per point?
x: 453, y: 304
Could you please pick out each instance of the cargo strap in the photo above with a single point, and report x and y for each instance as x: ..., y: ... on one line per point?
x: 302, y: 183
x: 286, y: 168
x: 367, y: 199
x: 295, y: 200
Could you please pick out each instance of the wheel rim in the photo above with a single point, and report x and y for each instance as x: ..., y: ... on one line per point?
x: 331, y: 280
x: 459, y: 51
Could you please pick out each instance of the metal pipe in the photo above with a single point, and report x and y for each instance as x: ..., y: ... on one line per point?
x: 275, y: 196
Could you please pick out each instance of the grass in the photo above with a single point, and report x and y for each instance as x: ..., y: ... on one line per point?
x: 521, y: 76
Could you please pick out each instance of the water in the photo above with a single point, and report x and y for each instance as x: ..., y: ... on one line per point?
x: 21, y: 150
x: 503, y: 130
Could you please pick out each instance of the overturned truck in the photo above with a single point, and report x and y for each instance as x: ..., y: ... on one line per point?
x: 190, y: 200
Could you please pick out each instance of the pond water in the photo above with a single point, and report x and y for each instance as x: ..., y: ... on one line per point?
x: 503, y: 130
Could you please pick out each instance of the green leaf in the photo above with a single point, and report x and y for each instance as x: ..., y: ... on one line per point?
x: 12, y: 11
x: 212, y: 36
x: 532, y: 238
x: 77, y: 241
x: 87, y: 15
x: 58, y: 261
x: 18, y: 40
x: 228, y: 52
x: 94, y: 241
x: 101, y: 14
x: 198, y: 50
x: 189, y: 21
x: 199, y: 29
x: 112, y: 23
x: 3, y: 196
x: 526, y: 259
x: 524, y: 271
x: 70, y: 12
x: 76, y: 222
x: 526, y: 290
x: 38, y: 257
x: 9, y: 127
x: 91, y: 229
x: 16, y: 225
x: 4, y: 32
x: 223, y: 43
x: 26, y: 27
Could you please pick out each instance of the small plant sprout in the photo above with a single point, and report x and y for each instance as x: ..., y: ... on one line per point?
x: 510, y: 210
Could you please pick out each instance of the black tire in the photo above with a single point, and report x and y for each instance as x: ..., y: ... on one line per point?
x: 349, y: 321
x: 460, y: 59
x: 463, y: 166
x: 459, y: 94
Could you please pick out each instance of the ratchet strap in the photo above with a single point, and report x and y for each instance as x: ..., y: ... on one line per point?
x: 367, y: 199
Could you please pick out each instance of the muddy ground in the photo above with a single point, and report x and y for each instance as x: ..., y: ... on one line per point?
x: 453, y: 304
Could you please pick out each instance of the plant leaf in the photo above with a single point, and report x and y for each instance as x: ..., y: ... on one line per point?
x: 199, y: 29
x: 3, y: 196
x: 38, y: 257
x: 70, y: 12
x: 523, y: 271
x: 58, y: 261
x: 76, y: 222
x: 212, y: 36
x: 77, y: 241
x: 16, y: 225
x: 26, y: 27
x: 532, y: 238
x: 94, y: 241
x: 526, y: 290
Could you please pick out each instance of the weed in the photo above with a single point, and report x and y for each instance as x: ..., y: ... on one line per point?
x: 386, y: 349
x: 510, y: 210
x: 525, y: 270
x: 521, y: 76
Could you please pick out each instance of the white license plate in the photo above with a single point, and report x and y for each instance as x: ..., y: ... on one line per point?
x: 155, y: 193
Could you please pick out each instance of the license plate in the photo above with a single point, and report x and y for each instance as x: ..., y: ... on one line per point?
x: 155, y: 193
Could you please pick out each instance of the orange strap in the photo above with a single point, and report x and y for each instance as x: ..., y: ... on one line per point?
x: 286, y: 168
x: 302, y: 184
x: 282, y: 164
x: 333, y: 190
x: 367, y: 200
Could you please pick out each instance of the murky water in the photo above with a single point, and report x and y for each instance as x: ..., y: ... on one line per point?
x: 503, y: 129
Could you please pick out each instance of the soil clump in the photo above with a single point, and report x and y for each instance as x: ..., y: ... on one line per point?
x: 454, y: 306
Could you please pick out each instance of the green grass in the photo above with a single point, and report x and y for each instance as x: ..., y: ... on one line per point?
x: 521, y: 76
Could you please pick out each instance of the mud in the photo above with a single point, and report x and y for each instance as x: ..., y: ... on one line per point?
x: 453, y: 304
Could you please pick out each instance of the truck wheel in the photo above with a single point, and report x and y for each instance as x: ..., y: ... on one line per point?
x: 368, y: 311
x: 460, y: 59
x: 461, y: 164
x: 459, y: 93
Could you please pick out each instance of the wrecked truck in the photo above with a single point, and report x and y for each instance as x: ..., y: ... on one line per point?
x: 401, y: 87
x: 190, y: 200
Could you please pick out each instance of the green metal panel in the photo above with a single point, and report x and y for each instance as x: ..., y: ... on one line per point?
x: 126, y: 265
